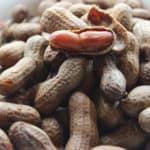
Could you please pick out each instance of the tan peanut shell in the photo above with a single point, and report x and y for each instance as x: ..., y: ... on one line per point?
x: 25, y: 136
x: 5, y: 143
x: 83, y: 123
x: 19, y: 13
x: 16, y: 76
x: 145, y: 73
x: 63, y: 4
x: 112, y: 82
x: 129, y: 62
x: 11, y: 53
x: 123, y: 13
x: 79, y: 9
x: 137, y: 100
x: 109, y: 114
x: 140, y: 30
x: 51, y: 93
x: 44, y: 4
x: 108, y: 147
x: 22, y: 31
x: 54, y: 130
x: 144, y: 119
x: 132, y: 3
x: 141, y: 13
x: 128, y: 136
x: 57, y: 18
x: 10, y: 113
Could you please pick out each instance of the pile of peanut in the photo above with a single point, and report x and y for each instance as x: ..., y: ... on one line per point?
x: 76, y: 76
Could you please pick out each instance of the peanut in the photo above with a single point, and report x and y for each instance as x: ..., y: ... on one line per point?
x: 112, y: 82
x: 54, y: 130
x: 19, y: 13
x: 83, y: 127
x: 144, y: 119
x: 29, y: 137
x: 108, y: 147
x: 22, y: 31
x: 144, y: 73
x: 10, y: 113
x: 141, y: 13
x: 128, y: 136
x: 16, y: 76
x: 129, y: 62
x: 109, y: 114
x: 51, y: 92
x: 57, y: 18
x: 63, y: 4
x: 100, y: 17
x: 11, y: 53
x: 5, y: 143
x: 140, y: 30
x: 90, y: 41
x: 123, y: 13
x: 137, y: 100
x: 79, y: 9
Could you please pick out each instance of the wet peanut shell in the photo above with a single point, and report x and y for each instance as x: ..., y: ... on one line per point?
x: 83, y: 123
x: 129, y: 62
x: 54, y: 130
x: 128, y: 136
x: 144, y: 119
x: 51, y: 93
x: 109, y: 114
x: 57, y: 18
x: 23, y: 31
x: 11, y: 53
x: 112, y: 82
x: 108, y: 147
x: 145, y: 73
x: 25, y: 136
x: 10, y: 113
x: 137, y: 100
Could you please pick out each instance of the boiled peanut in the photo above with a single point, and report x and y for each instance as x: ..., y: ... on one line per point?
x: 140, y: 30
x: 141, y: 13
x: 90, y: 41
x: 100, y: 17
x: 16, y: 76
x: 128, y: 136
x: 109, y: 114
x: 10, y: 113
x: 22, y: 31
x: 25, y: 136
x: 50, y: 93
x: 123, y: 13
x: 5, y: 143
x: 129, y: 62
x: 57, y: 18
x: 144, y: 119
x: 54, y: 130
x: 19, y: 13
x: 83, y: 127
x: 137, y: 100
x: 112, y: 82
x: 11, y: 53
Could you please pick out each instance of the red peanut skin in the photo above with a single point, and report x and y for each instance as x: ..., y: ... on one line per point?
x: 86, y: 41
